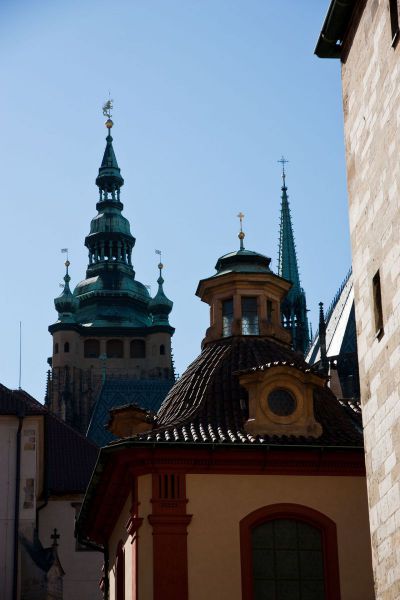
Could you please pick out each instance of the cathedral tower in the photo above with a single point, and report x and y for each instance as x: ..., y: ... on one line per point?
x: 294, y: 306
x: 109, y: 328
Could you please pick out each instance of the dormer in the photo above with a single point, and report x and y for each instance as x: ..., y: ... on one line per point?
x: 281, y: 400
x: 244, y: 298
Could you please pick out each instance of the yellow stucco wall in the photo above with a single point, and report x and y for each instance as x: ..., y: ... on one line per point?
x: 219, y: 502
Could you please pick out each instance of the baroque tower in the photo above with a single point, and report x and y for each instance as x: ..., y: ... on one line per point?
x: 294, y: 306
x: 109, y: 328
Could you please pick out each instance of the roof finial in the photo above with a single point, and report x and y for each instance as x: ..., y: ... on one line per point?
x: 107, y: 108
x: 160, y: 265
x: 241, y: 232
x: 283, y: 161
x: 67, y: 278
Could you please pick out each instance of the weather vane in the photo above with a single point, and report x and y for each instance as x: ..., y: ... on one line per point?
x: 107, y: 108
x: 241, y: 232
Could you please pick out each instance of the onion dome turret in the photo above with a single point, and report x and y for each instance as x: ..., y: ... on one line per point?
x: 160, y: 306
x: 65, y: 303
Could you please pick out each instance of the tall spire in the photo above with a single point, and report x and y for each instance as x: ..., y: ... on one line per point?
x: 110, y: 240
x: 287, y: 258
x: 294, y: 306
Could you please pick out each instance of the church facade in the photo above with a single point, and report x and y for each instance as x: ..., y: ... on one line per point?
x: 111, y: 341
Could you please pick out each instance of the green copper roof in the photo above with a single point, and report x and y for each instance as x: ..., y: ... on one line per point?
x: 160, y: 306
x: 109, y: 177
x: 287, y: 258
x: 294, y: 306
x: 242, y: 261
x: 110, y: 296
x: 65, y: 303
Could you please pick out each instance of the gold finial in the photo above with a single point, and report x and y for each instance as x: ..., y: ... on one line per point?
x: 241, y: 232
x: 107, y: 108
x: 67, y: 263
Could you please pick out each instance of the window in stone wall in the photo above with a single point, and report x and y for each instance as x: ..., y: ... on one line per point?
x: 377, y: 299
x: 115, y: 349
x: 91, y: 348
x: 138, y: 349
x: 394, y: 20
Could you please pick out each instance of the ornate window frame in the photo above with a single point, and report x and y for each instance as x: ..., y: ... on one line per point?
x: 298, y: 512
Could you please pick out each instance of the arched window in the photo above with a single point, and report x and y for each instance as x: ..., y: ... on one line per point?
x: 115, y: 349
x: 162, y: 350
x: 120, y: 573
x: 91, y: 348
x: 55, y: 348
x: 289, y: 551
x: 66, y: 347
x: 138, y: 349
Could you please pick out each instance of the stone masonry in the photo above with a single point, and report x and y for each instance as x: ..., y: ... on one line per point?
x: 371, y: 104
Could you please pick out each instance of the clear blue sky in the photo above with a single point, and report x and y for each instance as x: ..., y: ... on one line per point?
x: 208, y: 95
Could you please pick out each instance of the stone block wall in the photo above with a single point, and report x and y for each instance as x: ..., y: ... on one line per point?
x: 371, y: 104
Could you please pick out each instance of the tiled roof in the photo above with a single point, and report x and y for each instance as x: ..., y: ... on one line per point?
x: 16, y: 402
x: 69, y: 456
x: 207, y: 404
x: 145, y: 393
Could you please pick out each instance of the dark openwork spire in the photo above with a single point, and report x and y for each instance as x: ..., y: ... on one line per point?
x: 294, y: 306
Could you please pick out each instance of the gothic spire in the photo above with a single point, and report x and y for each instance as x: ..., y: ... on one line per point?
x: 294, y: 306
x: 287, y: 258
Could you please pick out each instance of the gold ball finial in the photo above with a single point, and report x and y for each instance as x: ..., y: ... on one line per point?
x: 241, y: 235
x: 109, y: 123
x: 160, y: 266
x: 67, y: 263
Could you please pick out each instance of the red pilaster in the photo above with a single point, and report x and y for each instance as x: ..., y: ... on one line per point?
x: 169, y: 521
x: 132, y: 527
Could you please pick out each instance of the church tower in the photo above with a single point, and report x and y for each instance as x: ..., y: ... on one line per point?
x: 109, y: 328
x: 294, y: 306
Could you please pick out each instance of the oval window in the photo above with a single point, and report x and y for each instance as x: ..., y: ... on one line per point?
x: 282, y: 402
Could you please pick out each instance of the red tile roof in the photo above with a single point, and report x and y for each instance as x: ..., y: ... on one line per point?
x: 208, y: 405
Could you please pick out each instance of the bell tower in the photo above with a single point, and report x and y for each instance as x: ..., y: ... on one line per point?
x: 109, y: 328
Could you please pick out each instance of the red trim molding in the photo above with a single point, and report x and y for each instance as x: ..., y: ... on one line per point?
x: 169, y: 521
x: 301, y: 513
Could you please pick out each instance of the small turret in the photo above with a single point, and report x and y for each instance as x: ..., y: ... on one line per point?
x: 65, y: 303
x: 160, y: 306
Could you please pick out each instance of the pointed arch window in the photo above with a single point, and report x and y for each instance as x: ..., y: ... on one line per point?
x: 289, y: 551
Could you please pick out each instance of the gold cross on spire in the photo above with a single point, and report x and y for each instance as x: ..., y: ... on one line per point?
x: 241, y: 232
